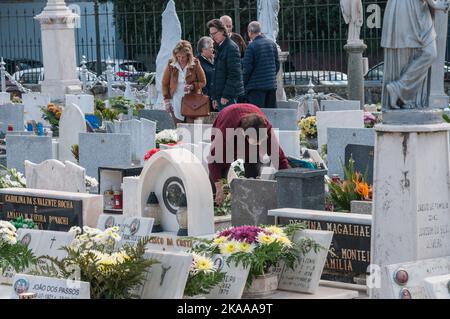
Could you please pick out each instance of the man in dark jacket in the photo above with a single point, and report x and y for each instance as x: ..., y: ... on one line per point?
x: 227, y: 84
x: 205, y: 48
x: 236, y: 37
x: 261, y: 65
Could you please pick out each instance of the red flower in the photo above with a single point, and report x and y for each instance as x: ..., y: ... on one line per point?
x: 150, y: 153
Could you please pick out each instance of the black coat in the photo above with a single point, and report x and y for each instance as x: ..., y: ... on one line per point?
x: 208, y: 68
x: 227, y: 80
x: 261, y: 65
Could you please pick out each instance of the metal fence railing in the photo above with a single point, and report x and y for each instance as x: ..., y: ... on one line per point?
x: 129, y: 32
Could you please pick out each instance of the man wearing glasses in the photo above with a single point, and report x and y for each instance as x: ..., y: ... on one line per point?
x: 227, y: 83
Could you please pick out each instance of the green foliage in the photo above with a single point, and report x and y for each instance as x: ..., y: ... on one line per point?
x: 11, y: 178
x: 446, y: 118
x: 108, y: 280
x: 21, y: 222
x: 16, y: 256
x: 202, y: 283
x: 99, y: 105
x: 149, y: 78
x: 110, y: 115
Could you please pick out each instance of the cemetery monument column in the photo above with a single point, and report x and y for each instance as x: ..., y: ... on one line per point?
x: 411, y: 211
x: 58, y: 50
x: 353, y: 16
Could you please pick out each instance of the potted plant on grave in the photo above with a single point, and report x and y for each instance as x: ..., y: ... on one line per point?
x: 52, y: 114
x: 112, y: 274
x: 308, y: 132
x: 353, y: 188
x: 13, y: 254
x: 261, y: 249
x: 203, y: 276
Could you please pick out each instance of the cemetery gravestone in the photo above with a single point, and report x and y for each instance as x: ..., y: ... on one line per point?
x: 5, y: 98
x: 291, y: 104
x: 337, y: 105
x: 33, y: 102
x: 84, y: 101
x: 337, y: 119
x: 339, y: 139
x: 51, y: 210
x: 306, y: 274
x: 100, y: 150
x: 49, y: 288
x: 363, y: 155
x: 134, y: 229
x: 72, y: 123
x: 142, y: 133
x: 290, y: 143
x: 251, y: 199
x: 350, y: 245
x: 301, y: 188
x: 408, y: 280
x: 55, y: 175
x: 282, y: 119
x: 234, y: 282
x: 194, y: 133
x: 438, y: 287
x: 166, y: 279
x: 33, y: 148
x: 162, y: 118
x: 174, y: 174
x: 11, y: 114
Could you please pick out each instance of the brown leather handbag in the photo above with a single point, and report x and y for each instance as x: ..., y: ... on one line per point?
x: 195, y: 105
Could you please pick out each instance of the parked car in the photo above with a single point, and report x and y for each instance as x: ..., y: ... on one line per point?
x: 317, y: 78
x: 375, y: 74
x: 126, y: 70
x: 14, y: 65
x: 36, y: 76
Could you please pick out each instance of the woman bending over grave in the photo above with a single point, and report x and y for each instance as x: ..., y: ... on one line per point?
x: 183, y: 75
x: 409, y: 40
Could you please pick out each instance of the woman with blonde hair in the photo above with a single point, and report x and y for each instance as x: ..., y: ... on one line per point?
x: 183, y: 75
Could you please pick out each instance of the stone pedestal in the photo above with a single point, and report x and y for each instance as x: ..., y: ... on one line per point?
x: 438, y: 98
x: 281, y: 94
x: 58, y: 50
x: 301, y: 188
x: 411, y: 218
x: 355, y: 86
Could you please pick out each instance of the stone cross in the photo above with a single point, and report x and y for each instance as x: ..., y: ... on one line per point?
x: 83, y: 73
x: 2, y: 75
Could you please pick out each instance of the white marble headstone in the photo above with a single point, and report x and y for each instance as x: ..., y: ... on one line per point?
x: 5, y: 98
x: 167, y: 279
x: 72, y: 123
x: 415, y: 274
x: 143, y: 133
x: 438, y: 287
x: 234, y: 282
x: 55, y: 175
x: 171, y: 35
x: 347, y: 119
x: 49, y: 288
x: 106, y: 221
x: 84, y: 101
x: 178, y: 168
x: 129, y: 93
x: 290, y: 143
x: 33, y: 103
x: 306, y: 274
x: 134, y: 229
x: 45, y: 242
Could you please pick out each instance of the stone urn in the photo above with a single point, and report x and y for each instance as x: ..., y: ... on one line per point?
x: 262, y: 285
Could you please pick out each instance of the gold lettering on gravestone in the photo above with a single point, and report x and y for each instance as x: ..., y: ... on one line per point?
x: 58, y: 220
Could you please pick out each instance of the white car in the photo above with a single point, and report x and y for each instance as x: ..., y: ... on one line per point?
x: 36, y: 76
x: 317, y: 77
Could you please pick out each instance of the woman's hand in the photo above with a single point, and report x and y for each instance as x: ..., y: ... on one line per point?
x: 220, y: 196
x: 188, y: 88
x: 168, y: 105
x: 215, y: 105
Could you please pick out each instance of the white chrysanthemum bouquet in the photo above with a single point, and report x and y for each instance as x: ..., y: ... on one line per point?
x: 12, y: 253
x: 203, y: 276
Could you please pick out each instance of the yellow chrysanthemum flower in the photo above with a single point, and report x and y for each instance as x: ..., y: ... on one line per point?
x: 229, y: 248
x: 285, y: 241
x: 275, y: 230
x: 219, y: 240
x: 265, y: 239
x: 246, y: 247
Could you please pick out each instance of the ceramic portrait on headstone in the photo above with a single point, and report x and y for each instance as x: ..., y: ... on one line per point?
x: 410, y: 49
x: 352, y: 12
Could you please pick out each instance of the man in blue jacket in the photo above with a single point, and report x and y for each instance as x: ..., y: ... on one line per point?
x: 261, y: 65
x: 227, y: 84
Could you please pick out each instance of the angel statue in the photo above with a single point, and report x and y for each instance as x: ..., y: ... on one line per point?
x: 353, y: 16
x: 409, y: 52
x: 267, y: 12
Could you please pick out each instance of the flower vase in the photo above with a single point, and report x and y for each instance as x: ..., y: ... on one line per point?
x: 262, y: 285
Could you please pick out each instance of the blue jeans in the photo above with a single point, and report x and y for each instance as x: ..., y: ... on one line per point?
x: 222, y: 106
